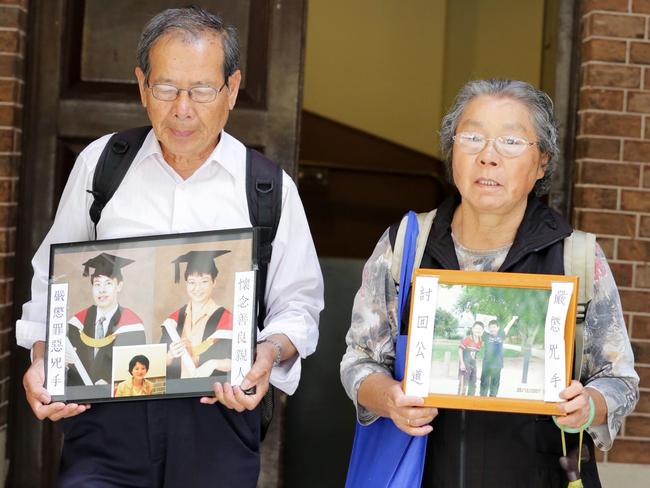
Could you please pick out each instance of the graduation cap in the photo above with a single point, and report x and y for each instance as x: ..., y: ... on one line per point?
x: 106, y: 265
x: 197, y: 262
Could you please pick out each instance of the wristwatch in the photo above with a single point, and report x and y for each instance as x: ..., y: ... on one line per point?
x: 278, y: 349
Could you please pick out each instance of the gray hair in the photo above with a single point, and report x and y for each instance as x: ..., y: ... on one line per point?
x: 193, y: 21
x: 539, y: 105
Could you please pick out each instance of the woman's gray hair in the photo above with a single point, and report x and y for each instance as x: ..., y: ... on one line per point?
x: 539, y: 105
x: 193, y: 21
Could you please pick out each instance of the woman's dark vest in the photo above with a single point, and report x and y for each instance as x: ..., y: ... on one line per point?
x: 470, y: 449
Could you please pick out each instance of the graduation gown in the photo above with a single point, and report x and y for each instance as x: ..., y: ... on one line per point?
x: 125, y: 325
x: 218, y: 329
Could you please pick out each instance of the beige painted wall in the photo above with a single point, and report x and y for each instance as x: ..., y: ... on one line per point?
x: 392, y: 67
x: 377, y: 65
x: 492, y: 39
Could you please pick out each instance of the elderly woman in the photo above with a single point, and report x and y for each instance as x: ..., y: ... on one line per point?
x: 500, y: 144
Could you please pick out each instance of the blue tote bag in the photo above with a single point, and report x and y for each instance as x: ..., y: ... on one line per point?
x: 382, y: 455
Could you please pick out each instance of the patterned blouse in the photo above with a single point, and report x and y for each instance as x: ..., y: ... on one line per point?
x: 608, y: 363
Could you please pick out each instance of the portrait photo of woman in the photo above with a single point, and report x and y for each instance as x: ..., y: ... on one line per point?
x: 137, y: 385
x: 199, y: 334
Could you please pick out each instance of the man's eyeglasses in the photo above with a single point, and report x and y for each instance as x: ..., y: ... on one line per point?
x: 506, y: 146
x: 200, y: 94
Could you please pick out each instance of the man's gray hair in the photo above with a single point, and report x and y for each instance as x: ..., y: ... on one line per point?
x: 193, y: 21
x: 539, y: 105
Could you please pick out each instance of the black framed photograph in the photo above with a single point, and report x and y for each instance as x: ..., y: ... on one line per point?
x: 151, y: 317
x: 491, y: 341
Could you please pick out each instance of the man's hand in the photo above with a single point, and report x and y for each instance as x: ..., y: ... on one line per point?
x: 258, y: 376
x: 38, y: 397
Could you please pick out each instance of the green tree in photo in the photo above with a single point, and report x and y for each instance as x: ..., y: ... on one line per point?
x: 446, y: 325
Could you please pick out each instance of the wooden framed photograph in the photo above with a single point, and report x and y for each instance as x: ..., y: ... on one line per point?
x: 491, y: 341
x: 151, y: 317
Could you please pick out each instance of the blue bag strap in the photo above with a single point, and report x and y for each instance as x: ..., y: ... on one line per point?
x: 408, y: 257
x: 411, y: 466
x: 406, y: 272
x: 382, y: 455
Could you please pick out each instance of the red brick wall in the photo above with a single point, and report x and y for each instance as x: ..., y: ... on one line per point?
x: 13, y: 19
x: 612, y: 179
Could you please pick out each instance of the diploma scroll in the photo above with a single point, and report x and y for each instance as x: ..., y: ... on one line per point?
x: 186, y: 359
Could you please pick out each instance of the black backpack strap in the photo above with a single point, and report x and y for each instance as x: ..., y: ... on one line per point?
x: 113, y: 163
x: 264, y: 196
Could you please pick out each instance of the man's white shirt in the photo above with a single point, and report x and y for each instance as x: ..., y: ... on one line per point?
x: 101, y: 322
x: 153, y: 199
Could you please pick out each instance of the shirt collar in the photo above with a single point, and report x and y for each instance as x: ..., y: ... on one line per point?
x: 229, y: 153
x: 107, y: 313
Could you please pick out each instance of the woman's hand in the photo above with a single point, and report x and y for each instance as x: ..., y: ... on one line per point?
x: 409, y: 413
x: 576, y: 406
x: 384, y: 396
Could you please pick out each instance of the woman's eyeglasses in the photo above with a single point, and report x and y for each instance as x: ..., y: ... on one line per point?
x: 506, y: 146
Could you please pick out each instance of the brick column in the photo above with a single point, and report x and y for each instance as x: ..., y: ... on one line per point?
x: 13, y: 20
x: 612, y: 180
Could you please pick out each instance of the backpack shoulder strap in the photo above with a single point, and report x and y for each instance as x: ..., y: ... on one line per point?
x: 264, y: 197
x: 579, y: 256
x: 113, y: 163
x: 425, y: 220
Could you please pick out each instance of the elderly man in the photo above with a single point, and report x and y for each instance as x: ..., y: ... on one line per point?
x: 189, y: 175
